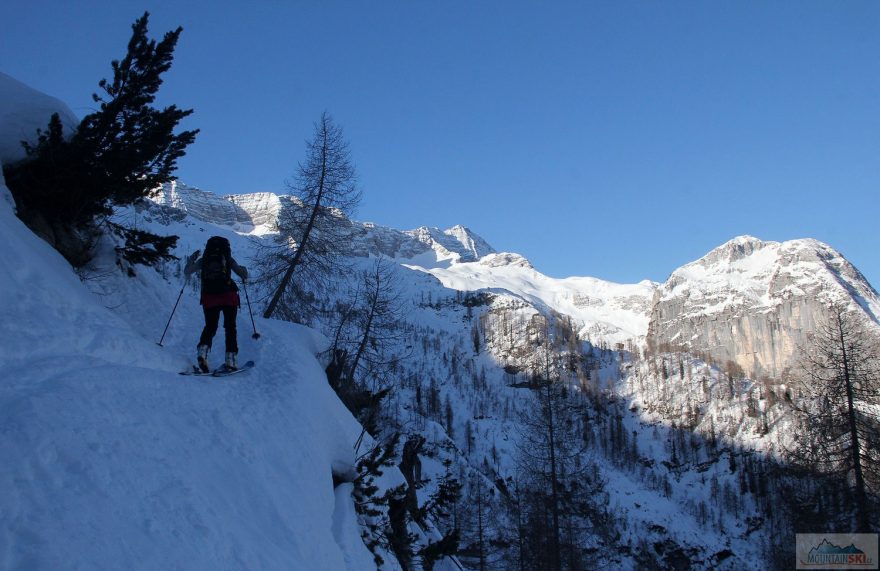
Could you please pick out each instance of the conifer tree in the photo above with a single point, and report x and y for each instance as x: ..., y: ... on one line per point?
x: 116, y: 156
x: 372, y: 508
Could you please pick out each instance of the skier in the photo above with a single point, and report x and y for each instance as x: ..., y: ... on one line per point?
x: 219, y: 295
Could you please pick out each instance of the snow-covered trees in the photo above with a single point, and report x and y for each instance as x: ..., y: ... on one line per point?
x: 372, y: 508
x: 314, y: 231
x: 840, y: 402
x: 115, y: 157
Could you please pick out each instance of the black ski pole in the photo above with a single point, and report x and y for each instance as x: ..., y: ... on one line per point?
x: 172, y: 314
x: 247, y: 297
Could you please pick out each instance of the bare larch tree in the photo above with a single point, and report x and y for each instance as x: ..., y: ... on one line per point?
x: 839, y: 402
x: 314, y: 227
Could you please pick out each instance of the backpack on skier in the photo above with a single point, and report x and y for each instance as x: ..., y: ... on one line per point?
x: 217, y: 266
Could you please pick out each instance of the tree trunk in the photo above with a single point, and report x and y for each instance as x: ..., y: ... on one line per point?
x: 366, y: 337
x: 554, y: 485
x: 861, y: 498
x: 480, y: 525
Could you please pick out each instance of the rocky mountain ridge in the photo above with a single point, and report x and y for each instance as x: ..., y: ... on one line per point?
x: 258, y: 213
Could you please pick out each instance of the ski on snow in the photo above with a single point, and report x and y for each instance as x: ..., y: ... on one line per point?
x: 220, y: 371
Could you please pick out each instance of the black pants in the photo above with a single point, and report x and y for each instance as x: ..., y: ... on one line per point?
x: 212, y: 319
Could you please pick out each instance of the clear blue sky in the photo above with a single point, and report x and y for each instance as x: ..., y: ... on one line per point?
x: 615, y: 140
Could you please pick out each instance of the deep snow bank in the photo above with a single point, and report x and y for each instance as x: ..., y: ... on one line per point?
x: 23, y: 110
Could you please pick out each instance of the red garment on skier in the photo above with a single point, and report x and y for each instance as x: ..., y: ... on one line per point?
x: 225, y: 299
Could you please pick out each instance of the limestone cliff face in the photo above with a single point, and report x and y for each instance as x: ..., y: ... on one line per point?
x: 754, y: 302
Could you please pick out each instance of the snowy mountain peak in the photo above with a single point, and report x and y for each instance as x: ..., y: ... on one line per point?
x: 742, y: 240
x: 764, y: 272
x: 751, y: 301
x: 257, y: 213
x: 252, y: 213
x: 502, y: 259
x: 457, y: 243
x: 470, y: 240
x: 736, y: 249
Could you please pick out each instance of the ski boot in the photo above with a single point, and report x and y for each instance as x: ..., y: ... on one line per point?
x: 230, y: 364
x: 203, y: 358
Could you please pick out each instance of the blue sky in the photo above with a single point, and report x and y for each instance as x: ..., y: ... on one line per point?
x: 606, y: 139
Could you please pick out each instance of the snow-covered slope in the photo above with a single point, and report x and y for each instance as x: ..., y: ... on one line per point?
x: 753, y: 302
